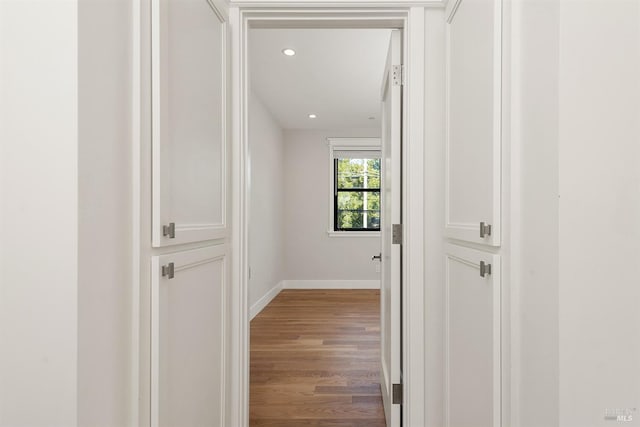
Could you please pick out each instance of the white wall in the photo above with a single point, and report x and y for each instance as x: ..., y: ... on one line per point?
x: 309, y: 251
x: 104, y: 256
x: 266, y: 224
x: 576, y: 134
x: 535, y: 214
x: 65, y: 248
x: 39, y: 213
x: 599, y: 210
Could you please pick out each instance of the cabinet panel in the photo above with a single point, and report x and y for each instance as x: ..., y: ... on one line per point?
x: 473, y: 361
x: 188, y: 324
x: 189, y: 84
x: 474, y: 92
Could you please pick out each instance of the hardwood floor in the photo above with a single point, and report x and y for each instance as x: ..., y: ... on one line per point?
x: 315, y: 360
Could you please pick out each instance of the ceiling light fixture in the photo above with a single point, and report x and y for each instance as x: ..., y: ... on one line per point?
x: 312, y: 116
x: 288, y: 51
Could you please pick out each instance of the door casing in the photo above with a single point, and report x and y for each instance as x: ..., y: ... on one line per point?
x: 411, y: 19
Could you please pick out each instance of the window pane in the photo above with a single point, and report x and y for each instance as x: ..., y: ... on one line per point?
x: 358, y: 173
x: 350, y: 219
x: 358, y: 209
x: 348, y: 200
x: 373, y: 219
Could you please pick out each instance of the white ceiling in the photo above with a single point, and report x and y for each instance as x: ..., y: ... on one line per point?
x: 336, y: 74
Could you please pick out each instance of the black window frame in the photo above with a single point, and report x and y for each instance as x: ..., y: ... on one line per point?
x: 337, y: 190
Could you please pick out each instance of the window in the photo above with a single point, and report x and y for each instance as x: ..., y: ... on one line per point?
x: 355, y: 185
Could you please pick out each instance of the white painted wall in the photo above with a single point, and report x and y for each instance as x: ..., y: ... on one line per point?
x: 535, y: 214
x: 599, y: 208
x: 104, y: 255
x: 266, y: 225
x: 65, y: 249
x: 434, y: 176
x: 309, y: 251
x: 576, y: 127
x: 39, y: 213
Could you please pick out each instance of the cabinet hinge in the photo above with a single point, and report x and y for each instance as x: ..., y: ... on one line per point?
x: 485, y: 230
x: 168, y: 270
x: 396, y: 234
x: 169, y: 230
x: 397, y: 394
x: 397, y: 75
x: 484, y: 269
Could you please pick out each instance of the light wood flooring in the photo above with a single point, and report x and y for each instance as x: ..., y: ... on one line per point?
x: 315, y: 360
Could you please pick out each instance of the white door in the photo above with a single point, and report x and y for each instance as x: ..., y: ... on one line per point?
x: 472, y: 331
x: 474, y: 125
x: 189, y: 114
x: 187, y: 338
x: 390, y: 293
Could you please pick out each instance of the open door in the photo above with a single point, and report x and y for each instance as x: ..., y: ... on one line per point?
x: 390, y: 289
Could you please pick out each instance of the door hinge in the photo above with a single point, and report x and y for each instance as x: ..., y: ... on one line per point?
x: 485, y: 230
x: 396, y: 234
x: 484, y: 269
x: 168, y: 270
x: 169, y: 230
x: 397, y: 75
x: 396, y: 399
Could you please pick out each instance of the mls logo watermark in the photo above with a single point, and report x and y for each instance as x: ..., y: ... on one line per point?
x: 624, y: 415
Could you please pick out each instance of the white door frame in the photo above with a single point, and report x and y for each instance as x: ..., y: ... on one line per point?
x: 411, y: 18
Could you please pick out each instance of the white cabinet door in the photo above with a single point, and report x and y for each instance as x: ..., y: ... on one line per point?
x: 473, y: 358
x: 189, y: 114
x: 187, y: 338
x: 474, y: 99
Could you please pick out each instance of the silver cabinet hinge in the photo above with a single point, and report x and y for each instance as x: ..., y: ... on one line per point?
x: 485, y: 230
x: 396, y: 234
x: 396, y: 397
x: 397, y: 75
x: 168, y: 270
x: 169, y: 230
x: 484, y: 269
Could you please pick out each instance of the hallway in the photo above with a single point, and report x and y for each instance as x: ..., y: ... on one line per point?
x: 315, y: 360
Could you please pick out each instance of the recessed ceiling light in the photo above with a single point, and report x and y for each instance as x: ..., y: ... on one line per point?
x: 312, y: 116
x: 372, y: 118
x: 288, y: 52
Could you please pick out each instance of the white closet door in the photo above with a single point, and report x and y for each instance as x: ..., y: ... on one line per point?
x: 188, y: 329
x: 473, y: 361
x: 189, y: 91
x: 474, y: 99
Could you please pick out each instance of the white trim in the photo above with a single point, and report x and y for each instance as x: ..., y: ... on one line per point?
x: 347, y: 144
x: 339, y: 3
x: 451, y: 9
x: 330, y: 284
x: 332, y: 233
x: 413, y: 257
x: 338, y: 143
x: 356, y: 15
x: 259, y: 305
x: 239, y: 325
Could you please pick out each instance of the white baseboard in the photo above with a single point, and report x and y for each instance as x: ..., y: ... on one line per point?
x: 331, y: 284
x: 264, y: 301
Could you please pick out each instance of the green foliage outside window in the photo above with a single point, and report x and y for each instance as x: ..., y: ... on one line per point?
x: 356, y: 208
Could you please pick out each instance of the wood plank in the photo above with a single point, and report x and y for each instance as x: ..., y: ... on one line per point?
x: 315, y: 357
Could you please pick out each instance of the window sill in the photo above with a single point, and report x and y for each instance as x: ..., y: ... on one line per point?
x: 332, y: 233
